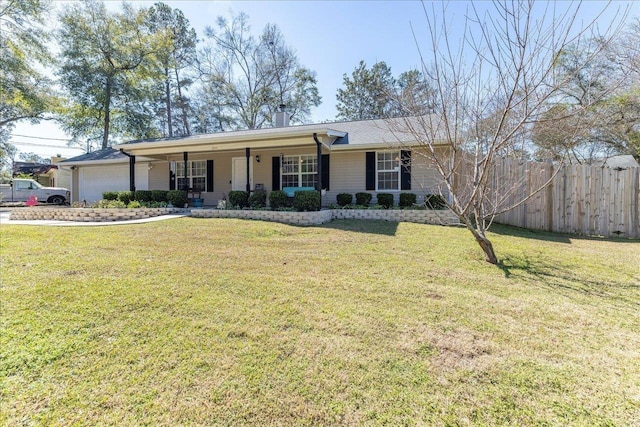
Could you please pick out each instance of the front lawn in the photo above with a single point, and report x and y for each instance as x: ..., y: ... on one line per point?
x: 231, y: 322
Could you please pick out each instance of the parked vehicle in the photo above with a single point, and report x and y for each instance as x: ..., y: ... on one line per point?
x: 19, y: 190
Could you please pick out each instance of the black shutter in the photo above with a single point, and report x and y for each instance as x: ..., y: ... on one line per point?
x: 371, y: 170
x: 325, y: 172
x: 172, y: 179
x: 405, y: 170
x: 209, y: 176
x: 275, y: 173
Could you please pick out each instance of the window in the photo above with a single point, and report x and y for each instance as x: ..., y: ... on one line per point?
x: 27, y: 185
x: 196, y: 176
x: 388, y: 170
x: 299, y: 171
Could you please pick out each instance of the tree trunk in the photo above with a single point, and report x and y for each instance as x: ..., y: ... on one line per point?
x: 168, y: 95
x: 482, y: 240
x: 107, y: 113
x: 183, y: 107
x: 487, y: 248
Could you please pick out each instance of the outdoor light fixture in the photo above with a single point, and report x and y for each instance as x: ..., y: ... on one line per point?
x: 258, y: 158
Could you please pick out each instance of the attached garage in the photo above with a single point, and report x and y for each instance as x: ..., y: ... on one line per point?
x: 94, y: 180
x: 104, y: 170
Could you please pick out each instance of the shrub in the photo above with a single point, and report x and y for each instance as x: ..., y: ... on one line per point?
x: 363, y: 199
x: 434, y: 201
x: 142, y: 196
x: 239, y: 199
x: 134, y: 204
x: 159, y: 195
x: 125, y: 196
x: 278, y: 199
x: 110, y: 195
x: 385, y: 200
x: 108, y: 204
x: 344, y: 199
x: 156, y: 204
x: 407, y: 200
x: 177, y: 198
x: 306, y: 201
x: 258, y: 199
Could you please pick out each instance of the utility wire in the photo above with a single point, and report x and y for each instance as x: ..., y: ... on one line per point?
x: 40, y: 137
x: 33, y: 144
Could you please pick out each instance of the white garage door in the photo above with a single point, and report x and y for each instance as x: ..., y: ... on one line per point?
x: 94, y: 180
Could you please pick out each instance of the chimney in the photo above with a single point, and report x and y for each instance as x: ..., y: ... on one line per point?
x: 281, y: 117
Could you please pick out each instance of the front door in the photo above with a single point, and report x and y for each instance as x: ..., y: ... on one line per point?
x: 239, y: 173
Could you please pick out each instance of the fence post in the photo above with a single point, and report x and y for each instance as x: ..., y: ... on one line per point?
x: 549, y: 198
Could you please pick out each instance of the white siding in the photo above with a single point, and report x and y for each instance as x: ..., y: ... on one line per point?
x: 348, y: 175
x: 159, y: 176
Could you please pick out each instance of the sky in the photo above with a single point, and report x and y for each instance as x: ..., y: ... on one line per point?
x: 330, y: 37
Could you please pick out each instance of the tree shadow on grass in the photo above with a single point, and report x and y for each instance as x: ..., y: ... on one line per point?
x: 508, y: 230
x: 386, y: 228
x: 563, y: 279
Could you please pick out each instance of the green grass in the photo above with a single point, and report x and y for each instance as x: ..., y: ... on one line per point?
x: 230, y: 322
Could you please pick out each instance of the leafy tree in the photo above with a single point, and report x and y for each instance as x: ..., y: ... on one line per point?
x: 621, y: 127
x: 104, y: 72
x: 8, y: 153
x: 244, y: 78
x: 209, y: 109
x: 33, y: 158
x: 176, y: 51
x: 367, y: 93
x: 25, y: 92
x: 374, y: 93
x: 605, y: 93
x: 413, y: 94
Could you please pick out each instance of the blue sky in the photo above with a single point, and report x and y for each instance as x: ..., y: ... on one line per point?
x: 330, y: 38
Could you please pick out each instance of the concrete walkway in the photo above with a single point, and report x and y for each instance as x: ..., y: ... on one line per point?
x: 5, y: 213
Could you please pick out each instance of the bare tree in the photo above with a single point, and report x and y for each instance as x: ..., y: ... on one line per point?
x: 490, y: 87
x: 249, y: 77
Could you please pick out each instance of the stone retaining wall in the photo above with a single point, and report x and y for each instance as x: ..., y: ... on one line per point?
x: 88, y: 214
x: 440, y: 217
x: 286, y: 217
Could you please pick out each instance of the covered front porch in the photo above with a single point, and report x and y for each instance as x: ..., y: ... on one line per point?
x: 209, y: 167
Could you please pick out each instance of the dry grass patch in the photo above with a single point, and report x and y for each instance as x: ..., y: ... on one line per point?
x: 230, y: 322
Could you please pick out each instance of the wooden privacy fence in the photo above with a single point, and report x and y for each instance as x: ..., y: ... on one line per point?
x: 582, y: 199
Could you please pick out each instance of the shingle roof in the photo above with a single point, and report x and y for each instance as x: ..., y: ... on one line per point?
x: 359, y: 132
x: 32, y: 168
x: 105, y: 154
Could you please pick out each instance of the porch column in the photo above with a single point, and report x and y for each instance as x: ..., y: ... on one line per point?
x: 185, y: 159
x: 319, y: 165
x: 132, y: 173
x: 248, y: 155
